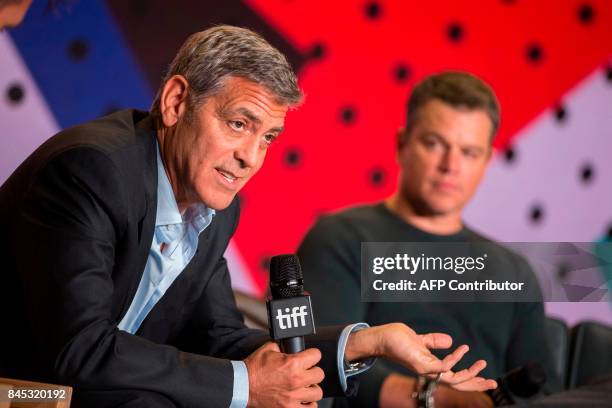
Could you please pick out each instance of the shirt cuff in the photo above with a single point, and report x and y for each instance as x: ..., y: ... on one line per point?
x: 240, y: 396
x: 342, y: 371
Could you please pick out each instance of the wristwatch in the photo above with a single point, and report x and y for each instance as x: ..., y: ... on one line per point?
x: 425, y: 390
x: 350, y: 368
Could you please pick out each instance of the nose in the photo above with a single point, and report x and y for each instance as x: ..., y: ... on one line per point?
x: 450, y: 161
x: 248, y: 152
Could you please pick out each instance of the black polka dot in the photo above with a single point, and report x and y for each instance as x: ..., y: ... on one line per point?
x: 348, y: 115
x: 401, y: 73
x: 455, y: 32
x: 377, y: 177
x: 78, y: 49
x: 586, y: 14
x: 510, y: 155
x: 563, y: 271
x: 536, y: 213
x: 15, y: 94
x: 372, y: 10
x: 317, y: 51
x: 534, y: 53
x: 293, y: 157
x: 609, y: 73
x: 609, y: 233
x: 560, y: 114
x: 264, y: 263
x: 587, y: 173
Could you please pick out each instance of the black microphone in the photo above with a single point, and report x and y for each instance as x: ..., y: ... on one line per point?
x: 289, y: 308
x: 518, y: 385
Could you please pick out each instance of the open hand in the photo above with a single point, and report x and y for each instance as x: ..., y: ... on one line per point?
x: 399, y: 343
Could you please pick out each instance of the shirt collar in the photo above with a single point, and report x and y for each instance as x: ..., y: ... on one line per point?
x: 167, y: 209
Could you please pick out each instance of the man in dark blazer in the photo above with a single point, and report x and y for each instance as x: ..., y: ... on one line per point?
x: 95, y: 294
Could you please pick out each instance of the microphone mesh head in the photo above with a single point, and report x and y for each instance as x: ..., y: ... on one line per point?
x: 285, y: 268
x: 286, y: 277
x: 287, y: 292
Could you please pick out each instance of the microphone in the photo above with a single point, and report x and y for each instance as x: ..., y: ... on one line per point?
x: 289, y: 308
x: 518, y: 385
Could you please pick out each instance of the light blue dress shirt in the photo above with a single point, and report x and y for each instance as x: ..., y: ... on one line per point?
x: 175, y: 241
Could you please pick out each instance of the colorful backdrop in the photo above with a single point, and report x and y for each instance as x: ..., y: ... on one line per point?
x: 550, y: 63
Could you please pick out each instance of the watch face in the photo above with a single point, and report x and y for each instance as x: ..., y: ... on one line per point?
x: 430, y: 387
x: 353, y: 367
x: 424, y: 394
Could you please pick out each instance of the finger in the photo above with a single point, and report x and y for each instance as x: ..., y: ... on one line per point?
x: 464, y: 375
x: 428, y: 364
x: 473, y: 384
x: 313, y: 376
x: 308, y: 394
x: 307, y: 358
x: 476, y: 384
x: 453, y: 358
x: 437, y: 340
x: 488, y: 385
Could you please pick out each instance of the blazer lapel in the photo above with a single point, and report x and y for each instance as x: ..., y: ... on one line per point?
x: 145, y: 215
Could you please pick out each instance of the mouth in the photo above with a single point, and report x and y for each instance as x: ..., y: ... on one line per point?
x: 445, y: 186
x: 229, y: 177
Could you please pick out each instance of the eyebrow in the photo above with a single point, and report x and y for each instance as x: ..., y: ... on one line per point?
x: 477, y: 149
x: 441, y: 139
x: 250, y: 115
x: 433, y: 134
x: 255, y: 119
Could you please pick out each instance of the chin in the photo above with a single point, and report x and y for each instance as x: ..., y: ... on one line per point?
x: 217, y: 202
x: 437, y: 207
x: 444, y: 208
x: 219, y: 205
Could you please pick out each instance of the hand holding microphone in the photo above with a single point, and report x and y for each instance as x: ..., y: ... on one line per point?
x: 284, y: 380
x: 290, y: 377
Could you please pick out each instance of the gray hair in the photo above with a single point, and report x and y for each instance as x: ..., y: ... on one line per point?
x: 209, y: 57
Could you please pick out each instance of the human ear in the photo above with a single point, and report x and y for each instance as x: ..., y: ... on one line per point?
x: 173, y: 101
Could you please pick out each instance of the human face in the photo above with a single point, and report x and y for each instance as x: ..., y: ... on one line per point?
x: 444, y: 157
x: 12, y: 14
x: 213, y: 157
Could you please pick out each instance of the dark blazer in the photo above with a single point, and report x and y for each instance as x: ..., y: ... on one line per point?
x: 76, y: 225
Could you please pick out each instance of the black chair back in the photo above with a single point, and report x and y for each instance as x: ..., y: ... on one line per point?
x: 591, y: 356
x: 557, y: 335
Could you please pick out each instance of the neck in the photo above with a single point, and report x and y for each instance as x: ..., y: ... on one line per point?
x: 439, y: 224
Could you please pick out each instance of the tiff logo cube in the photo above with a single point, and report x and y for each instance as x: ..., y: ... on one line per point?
x: 290, y: 317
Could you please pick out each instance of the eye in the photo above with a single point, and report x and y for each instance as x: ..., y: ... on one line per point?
x: 269, y: 138
x: 237, y: 125
x: 430, y: 143
x: 472, y: 154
